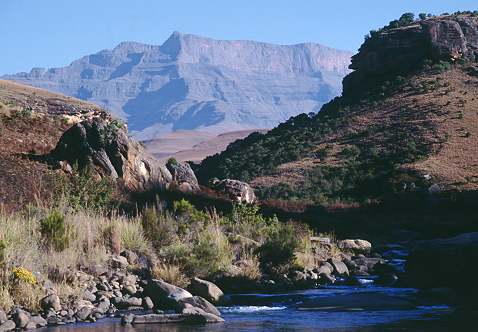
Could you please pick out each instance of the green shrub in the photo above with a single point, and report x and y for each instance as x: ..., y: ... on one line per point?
x: 159, y: 227
x: 210, y: 254
x: 278, y: 252
x: 55, y: 232
x: 82, y: 190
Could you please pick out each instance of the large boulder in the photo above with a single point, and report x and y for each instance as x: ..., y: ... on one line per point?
x: 165, y: 295
x: 103, y: 145
x: 340, y: 268
x: 183, y: 175
x: 207, y: 290
x: 236, y: 190
x: 197, y: 302
x: 449, y: 262
x: 356, y: 245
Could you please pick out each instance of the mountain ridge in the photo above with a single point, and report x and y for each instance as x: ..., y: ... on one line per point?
x: 198, y: 83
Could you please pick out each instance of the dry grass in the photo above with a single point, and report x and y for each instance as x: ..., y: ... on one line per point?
x: 170, y: 273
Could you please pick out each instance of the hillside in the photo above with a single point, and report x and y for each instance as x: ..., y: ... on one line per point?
x: 407, y: 121
x: 31, y: 122
x: 197, y: 83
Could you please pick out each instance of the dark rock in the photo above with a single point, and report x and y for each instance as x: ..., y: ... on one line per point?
x: 326, y: 278
x: 440, y: 263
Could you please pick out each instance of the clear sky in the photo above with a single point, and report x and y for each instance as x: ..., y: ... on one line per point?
x: 52, y: 33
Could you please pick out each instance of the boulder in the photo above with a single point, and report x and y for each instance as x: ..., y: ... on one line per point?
x: 207, y: 290
x: 148, y: 303
x: 183, y: 175
x: 448, y: 262
x: 198, y: 302
x: 38, y: 320
x: 83, y: 313
x: 165, y: 295
x: 340, y: 268
x: 325, y: 267
x: 193, y: 317
x: 3, y: 316
x: 8, y: 325
x: 51, y: 301
x: 355, y: 246
x: 102, y: 144
x: 197, y: 315
x: 237, y: 191
x: 21, y: 318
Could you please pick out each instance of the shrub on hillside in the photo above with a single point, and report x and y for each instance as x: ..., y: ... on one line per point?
x: 55, y: 232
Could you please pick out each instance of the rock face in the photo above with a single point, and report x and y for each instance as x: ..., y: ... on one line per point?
x: 236, y: 190
x: 448, y: 38
x: 103, y: 144
x: 191, y: 82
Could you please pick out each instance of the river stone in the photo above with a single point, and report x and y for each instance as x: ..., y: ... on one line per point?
x: 119, y: 262
x: 325, y: 267
x: 89, y: 296
x: 207, y: 290
x: 103, y: 306
x: 30, y: 326
x: 38, y: 320
x: 51, y: 301
x: 127, y: 319
x: 130, y: 289
x: 148, y: 303
x: 8, y: 325
x: 339, y: 267
x: 164, y: 294
x: 83, y: 313
x: 198, y: 302
x: 3, y: 317
x: 21, y: 318
x: 197, y: 315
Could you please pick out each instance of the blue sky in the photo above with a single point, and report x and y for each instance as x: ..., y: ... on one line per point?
x: 52, y: 33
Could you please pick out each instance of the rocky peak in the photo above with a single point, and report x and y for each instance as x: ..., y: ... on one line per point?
x: 403, y: 49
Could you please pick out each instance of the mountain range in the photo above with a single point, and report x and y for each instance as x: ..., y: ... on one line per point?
x: 200, y: 84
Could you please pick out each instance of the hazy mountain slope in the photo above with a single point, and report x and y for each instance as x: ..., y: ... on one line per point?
x: 196, y: 83
x: 407, y: 121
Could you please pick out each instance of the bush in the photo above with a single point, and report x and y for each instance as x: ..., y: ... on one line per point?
x: 159, y: 227
x: 211, y: 253
x: 277, y: 254
x: 83, y: 191
x: 55, y: 232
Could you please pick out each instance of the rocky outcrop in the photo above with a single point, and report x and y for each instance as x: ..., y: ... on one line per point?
x: 183, y: 176
x: 102, y: 144
x: 400, y: 50
x: 236, y: 190
x: 191, y: 82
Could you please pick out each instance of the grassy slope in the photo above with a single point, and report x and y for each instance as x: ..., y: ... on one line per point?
x: 353, y: 150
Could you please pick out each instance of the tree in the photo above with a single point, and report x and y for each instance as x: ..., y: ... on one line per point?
x: 422, y: 16
x: 406, y: 19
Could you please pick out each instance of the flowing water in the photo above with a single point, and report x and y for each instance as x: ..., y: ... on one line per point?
x: 336, y: 308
